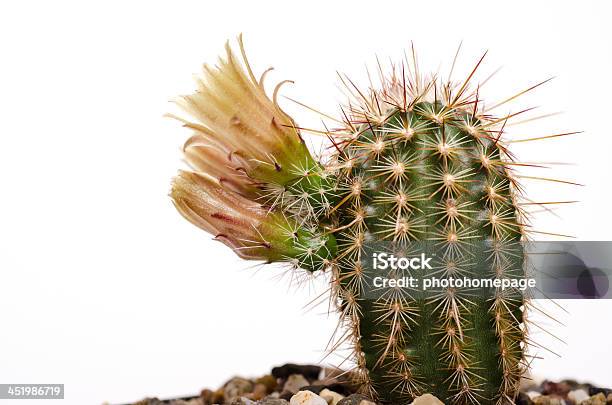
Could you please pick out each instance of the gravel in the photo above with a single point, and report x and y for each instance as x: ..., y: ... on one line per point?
x: 294, y: 384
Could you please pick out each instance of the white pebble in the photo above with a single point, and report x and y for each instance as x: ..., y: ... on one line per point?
x: 578, y: 396
x: 307, y: 398
x: 427, y: 399
x: 330, y: 396
x: 533, y: 394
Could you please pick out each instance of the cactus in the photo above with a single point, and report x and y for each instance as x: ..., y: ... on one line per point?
x: 417, y: 160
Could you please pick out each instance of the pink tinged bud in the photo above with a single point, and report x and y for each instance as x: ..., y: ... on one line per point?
x: 231, y: 218
x: 248, y: 228
x: 236, y: 117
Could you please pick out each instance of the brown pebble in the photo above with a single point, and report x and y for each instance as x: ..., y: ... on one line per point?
x: 259, y: 392
x: 207, y: 396
x: 598, y: 399
x: 219, y: 396
x: 269, y: 381
x: 547, y: 400
x: 555, y: 389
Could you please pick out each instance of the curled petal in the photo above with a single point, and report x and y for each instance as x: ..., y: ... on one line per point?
x: 224, y: 165
x: 234, y: 114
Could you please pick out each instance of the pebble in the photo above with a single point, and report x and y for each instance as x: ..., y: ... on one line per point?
x: 307, y: 398
x: 269, y: 381
x: 235, y: 388
x: 294, y: 383
x: 552, y: 388
x: 331, y: 397
x: 523, y: 399
x: 356, y: 399
x: 308, y: 371
x: 207, y: 396
x: 597, y: 390
x: 242, y: 401
x: 218, y: 396
x: 342, y: 388
x: 149, y: 401
x: 427, y: 399
x: 599, y: 399
x: 259, y: 391
x: 548, y: 400
x: 273, y: 401
x: 577, y: 396
x: 314, y: 388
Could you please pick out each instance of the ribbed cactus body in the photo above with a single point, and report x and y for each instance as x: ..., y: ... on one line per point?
x: 429, y: 173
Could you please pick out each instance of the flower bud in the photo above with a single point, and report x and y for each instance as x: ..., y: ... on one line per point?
x: 252, y: 231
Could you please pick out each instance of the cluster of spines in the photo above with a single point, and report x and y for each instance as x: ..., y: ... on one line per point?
x: 376, y: 148
x: 417, y: 131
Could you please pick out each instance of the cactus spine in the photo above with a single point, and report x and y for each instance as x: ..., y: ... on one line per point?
x: 418, y: 160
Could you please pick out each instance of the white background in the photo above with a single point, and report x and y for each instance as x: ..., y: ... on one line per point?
x: 105, y: 288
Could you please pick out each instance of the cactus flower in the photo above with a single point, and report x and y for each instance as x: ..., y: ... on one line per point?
x: 235, y: 118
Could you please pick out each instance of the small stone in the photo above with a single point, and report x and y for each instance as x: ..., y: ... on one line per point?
x: 597, y: 390
x: 259, y: 392
x: 242, y: 401
x: 274, y: 395
x: 533, y: 394
x: 573, y: 384
x: 599, y: 399
x: 294, y: 383
x: 557, y: 389
x: 308, y: 371
x: 577, y: 396
x: 192, y: 401
x: 235, y: 388
x: 149, y: 401
x: 314, y: 388
x: 331, y: 397
x: 343, y: 388
x: 356, y: 399
x: 548, y: 400
x: 523, y: 399
x: 609, y: 399
x: 207, y: 396
x: 269, y: 400
x: 427, y: 399
x: 269, y: 381
x: 560, y: 389
x: 307, y: 398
